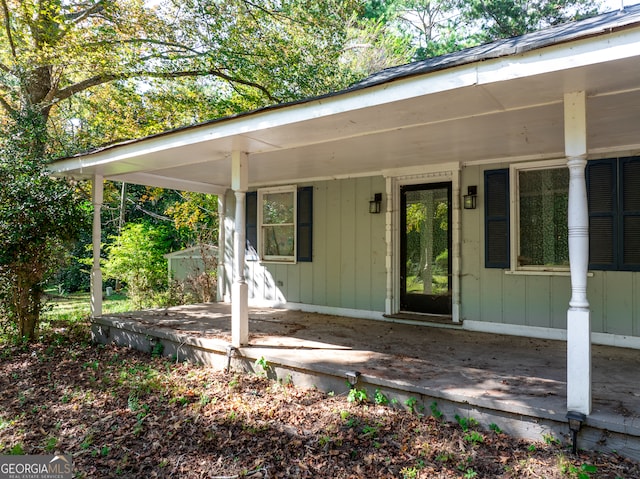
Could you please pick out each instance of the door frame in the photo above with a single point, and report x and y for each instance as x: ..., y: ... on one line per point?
x: 414, y: 176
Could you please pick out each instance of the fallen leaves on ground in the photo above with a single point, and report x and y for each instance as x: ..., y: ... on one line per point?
x: 122, y: 413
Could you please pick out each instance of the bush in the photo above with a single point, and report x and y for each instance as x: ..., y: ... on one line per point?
x: 136, y: 258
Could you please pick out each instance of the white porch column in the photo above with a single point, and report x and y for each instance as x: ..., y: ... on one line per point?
x: 96, y: 238
x: 456, y: 255
x: 388, y: 236
x: 578, y: 315
x: 222, y: 281
x: 240, y: 289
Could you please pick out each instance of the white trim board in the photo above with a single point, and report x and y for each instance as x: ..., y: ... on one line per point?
x: 603, y: 339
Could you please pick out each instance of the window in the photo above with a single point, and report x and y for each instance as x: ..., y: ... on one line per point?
x: 541, y: 210
x: 539, y: 230
x: 279, y: 224
x: 537, y: 237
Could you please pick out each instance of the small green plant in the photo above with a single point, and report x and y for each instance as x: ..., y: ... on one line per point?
x: 157, y: 350
x: 445, y: 457
x: 550, y: 440
x: 380, y: 399
x: 104, y: 451
x: 17, y: 450
x: 470, y: 474
x: 474, y: 437
x: 466, y: 422
x: 179, y: 400
x: 263, y: 364
x: 234, y: 383
x: 344, y: 414
x: 582, y: 472
x: 51, y: 444
x: 409, y: 472
x: 532, y: 448
x: 411, y: 403
x: 358, y: 396
x: 132, y: 402
x: 370, y: 431
x: 495, y: 428
x: 435, y: 412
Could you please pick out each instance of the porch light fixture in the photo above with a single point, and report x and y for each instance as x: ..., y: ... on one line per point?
x: 470, y: 198
x: 375, y: 204
x: 575, y: 419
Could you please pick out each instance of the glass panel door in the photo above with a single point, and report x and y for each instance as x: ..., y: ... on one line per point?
x: 425, y: 244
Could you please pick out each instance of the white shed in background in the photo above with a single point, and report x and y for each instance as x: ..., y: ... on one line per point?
x: 191, y: 261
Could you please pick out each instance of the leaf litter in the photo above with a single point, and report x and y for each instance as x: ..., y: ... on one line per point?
x: 123, y: 413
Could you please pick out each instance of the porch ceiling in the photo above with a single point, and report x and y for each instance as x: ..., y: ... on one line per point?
x: 500, y: 109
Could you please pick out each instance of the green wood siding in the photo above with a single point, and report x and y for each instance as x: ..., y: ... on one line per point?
x: 491, y: 295
x: 348, y: 267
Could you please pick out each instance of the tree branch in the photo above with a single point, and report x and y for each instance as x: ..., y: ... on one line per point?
x: 108, y: 77
x: 77, y: 17
x: 7, y: 27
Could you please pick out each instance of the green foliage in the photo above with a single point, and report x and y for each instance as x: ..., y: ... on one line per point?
x: 39, y: 217
x: 136, y: 258
x: 263, y: 364
x: 495, y: 428
x: 357, y: 396
x: 17, y: 450
x: 508, y: 18
x: 435, y: 412
x: 550, y: 439
x: 437, y: 27
x: 157, y: 349
x: 474, y: 437
x: 584, y: 471
x: 466, y: 422
x: 380, y: 398
x: 412, y: 404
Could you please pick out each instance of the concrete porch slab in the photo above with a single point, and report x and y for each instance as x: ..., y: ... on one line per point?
x: 517, y: 383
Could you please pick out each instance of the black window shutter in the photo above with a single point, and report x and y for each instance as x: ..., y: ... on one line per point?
x: 305, y: 224
x: 602, y: 200
x: 251, y: 212
x: 630, y: 213
x: 496, y: 217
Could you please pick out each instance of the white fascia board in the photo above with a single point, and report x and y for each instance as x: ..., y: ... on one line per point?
x: 590, y: 51
x: 149, y: 179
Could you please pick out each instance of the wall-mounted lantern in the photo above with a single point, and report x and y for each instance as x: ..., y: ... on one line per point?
x: 375, y: 204
x: 470, y: 199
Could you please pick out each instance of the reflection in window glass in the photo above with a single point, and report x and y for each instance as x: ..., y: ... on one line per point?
x: 543, y: 203
x: 277, y: 208
x: 278, y: 240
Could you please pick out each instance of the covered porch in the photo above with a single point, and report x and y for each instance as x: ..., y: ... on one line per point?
x: 544, y: 96
x: 517, y: 383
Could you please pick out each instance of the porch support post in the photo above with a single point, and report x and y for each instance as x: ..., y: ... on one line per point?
x: 222, y: 241
x: 96, y: 238
x: 579, y: 314
x: 456, y: 232
x: 388, y: 236
x: 240, y: 289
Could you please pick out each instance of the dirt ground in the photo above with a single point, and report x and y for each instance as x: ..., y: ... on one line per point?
x: 122, y: 413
